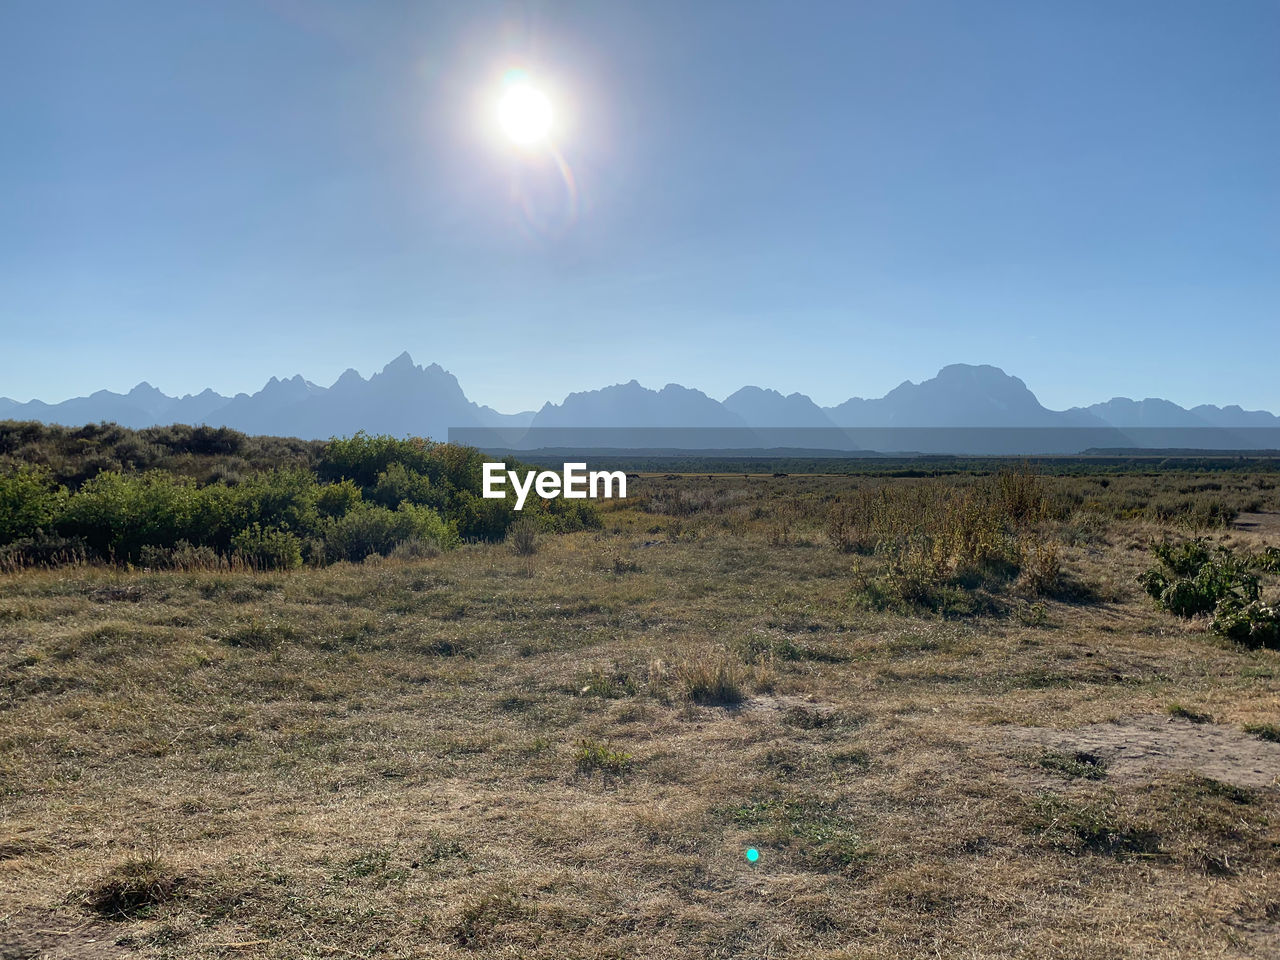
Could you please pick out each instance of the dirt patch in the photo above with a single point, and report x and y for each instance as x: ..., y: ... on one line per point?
x: 1142, y: 748
x: 28, y: 936
x: 1266, y: 524
x: 783, y: 702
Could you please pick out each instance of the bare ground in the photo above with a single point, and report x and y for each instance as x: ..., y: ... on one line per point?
x: 1142, y: 749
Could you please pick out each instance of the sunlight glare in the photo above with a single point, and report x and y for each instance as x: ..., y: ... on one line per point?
x: 524, y: 114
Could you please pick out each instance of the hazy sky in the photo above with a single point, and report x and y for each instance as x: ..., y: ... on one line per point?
x: 826, y: 197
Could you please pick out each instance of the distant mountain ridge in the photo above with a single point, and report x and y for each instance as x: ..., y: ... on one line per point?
x: 407, y: 399
x: 961, y: 395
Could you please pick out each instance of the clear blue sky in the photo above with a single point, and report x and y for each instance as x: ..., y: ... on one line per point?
x: 821, y: 197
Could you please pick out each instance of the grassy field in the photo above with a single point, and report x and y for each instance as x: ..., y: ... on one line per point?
x: 567, y: 753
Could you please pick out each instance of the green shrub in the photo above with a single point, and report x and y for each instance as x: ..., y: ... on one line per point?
x: 372, y: 530
x: 363, y: 457
x: 286, y: 499
x: 1253, y: 624
x: 482, y: 519
x: 338, y: 499
x: 345, y: 500
x: 267, y: 548
x: 1183, y: 559
x: 398, y: 484
x: 1268, y: 560
x: 29, y: 501
x: 1195, y: 579
x: 566, y: 516
x: 117, y: 514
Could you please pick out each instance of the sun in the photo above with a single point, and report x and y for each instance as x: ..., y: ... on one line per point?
x: 524, y: 113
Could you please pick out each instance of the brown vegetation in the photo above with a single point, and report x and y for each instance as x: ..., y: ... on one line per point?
x: 902, y: 692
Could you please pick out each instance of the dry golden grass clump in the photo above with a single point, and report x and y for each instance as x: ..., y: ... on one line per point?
x: 942, y: 709
x: 712, y: 680
x: 134, y: 888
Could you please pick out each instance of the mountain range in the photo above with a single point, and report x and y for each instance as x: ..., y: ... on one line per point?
x: 407, y: 399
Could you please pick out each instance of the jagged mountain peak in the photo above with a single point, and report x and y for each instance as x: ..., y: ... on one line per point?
x: 349, y: 379
x: 403, y: 360
x: 765, y: 407
x: 406, y: 398
x: 960, y: 395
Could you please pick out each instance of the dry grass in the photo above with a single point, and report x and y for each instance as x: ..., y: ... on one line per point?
x: 480, y: 754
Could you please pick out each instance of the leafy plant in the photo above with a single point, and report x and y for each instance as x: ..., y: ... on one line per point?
x: 1254, y: 624
x: 1268, y: 560
x: 1194, y: 579
x: 29, y: 501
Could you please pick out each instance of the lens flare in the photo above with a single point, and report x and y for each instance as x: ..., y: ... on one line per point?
x: 547, y: 196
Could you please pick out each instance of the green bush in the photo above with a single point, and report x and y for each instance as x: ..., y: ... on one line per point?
x: 347, y: 499
x: 29, y: 501
x: 376, y: 530
x: 1184, y: 559
x: 1254, y: 624
x: 116, y: 515
x: 1193, y: 579
x: 267, y: 548
x: 1268, y: 560
x: 287, y: 499
x: 362, y: 457
x: 398, y: 484
x: 566, y: 516
x: 338, y: 499
x: 481, y: 519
